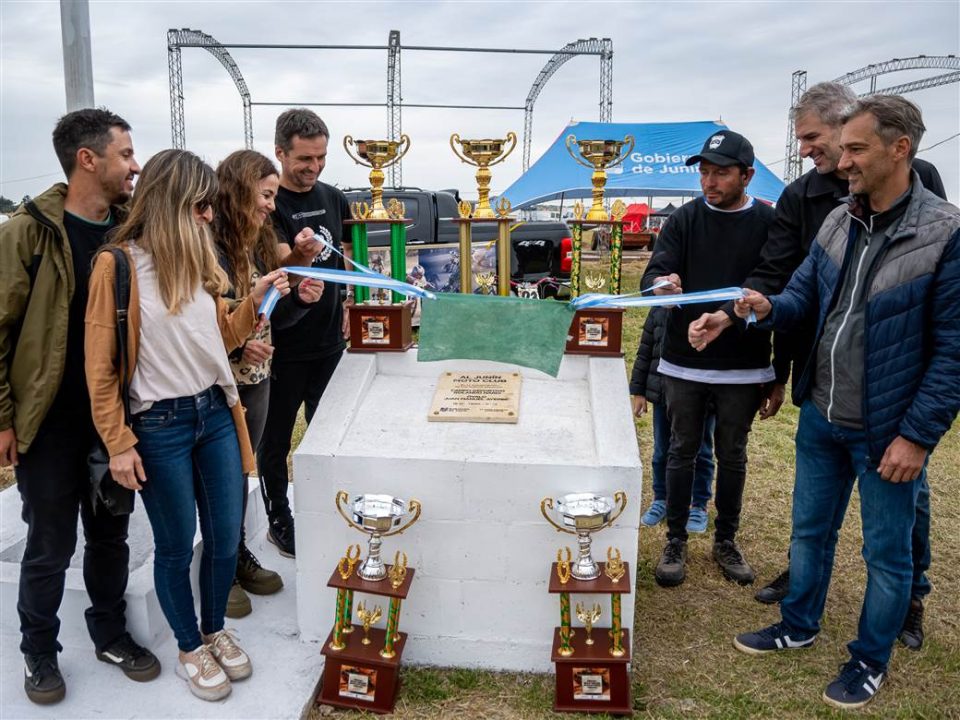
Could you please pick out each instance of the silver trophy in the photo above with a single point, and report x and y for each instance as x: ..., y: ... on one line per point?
x: 379, y: 516
x: 581, y: 514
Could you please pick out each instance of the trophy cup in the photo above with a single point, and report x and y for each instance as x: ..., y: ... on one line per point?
x: 483, y: 154
x: 599, y: 155
x: 379, y: 516
x: 580, y: 515
x: 377, y: 154
x: 588, y: 618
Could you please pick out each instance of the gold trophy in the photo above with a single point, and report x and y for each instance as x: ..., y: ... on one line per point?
x: 483, y: 154
x: 398, y: 571
x: 614, y: 568
x: 588, y: 618
x: 599, y: 155
x: 368, y: 617
x: 377, y: 154
x: 563, y: 565
x: 348, y: 561
x: 485, y: 281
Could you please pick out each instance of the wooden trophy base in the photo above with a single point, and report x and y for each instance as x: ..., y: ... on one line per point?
x: 591, y: 679
x: 596, y: 331
x: 381, y: 328
x: 358, y: 676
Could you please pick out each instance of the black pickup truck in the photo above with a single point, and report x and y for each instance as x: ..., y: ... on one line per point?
x: 540, y: 257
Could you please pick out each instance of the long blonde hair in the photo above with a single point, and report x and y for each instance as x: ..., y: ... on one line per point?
x: 161, y: 222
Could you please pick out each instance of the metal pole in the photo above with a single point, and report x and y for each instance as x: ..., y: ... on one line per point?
x: 77, y: 56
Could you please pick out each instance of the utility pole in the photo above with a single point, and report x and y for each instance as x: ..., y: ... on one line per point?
x: 77, y: 53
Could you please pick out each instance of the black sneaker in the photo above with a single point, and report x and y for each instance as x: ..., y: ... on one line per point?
x: 771, y: 639
x: 776, y: 591
x: 136, y: 661
x: 42, y: 679
x: 911, y: 634
x: 670, y: 570
x: 730, y: 560
x: 855, y: 686
x: 280, y: 533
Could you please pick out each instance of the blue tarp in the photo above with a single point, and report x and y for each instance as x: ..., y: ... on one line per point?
x: 654, y: 168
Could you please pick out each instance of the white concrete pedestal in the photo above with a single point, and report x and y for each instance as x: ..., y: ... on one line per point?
x: 482, y: 550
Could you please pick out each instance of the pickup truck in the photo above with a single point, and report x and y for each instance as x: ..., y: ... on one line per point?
x: 540, y: 257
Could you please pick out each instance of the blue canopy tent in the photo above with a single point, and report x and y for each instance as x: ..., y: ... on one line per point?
x: 655, y: 167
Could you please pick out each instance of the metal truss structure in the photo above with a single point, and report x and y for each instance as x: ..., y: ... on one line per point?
x: 177, y: 39
x: 872, y: 72
x: 794, y: 163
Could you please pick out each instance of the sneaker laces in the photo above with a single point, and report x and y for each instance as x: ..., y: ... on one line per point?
x: 913, y: 623
x: 42, y: 665
x: 673, y: 552
x: 224, y: 642
x: 730, y: 553
x: 126, y: 645
x: 209, y: 667
x: 247, y: 558
x: 851, y: 674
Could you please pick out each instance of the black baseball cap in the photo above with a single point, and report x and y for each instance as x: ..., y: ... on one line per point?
x: 725, y: 148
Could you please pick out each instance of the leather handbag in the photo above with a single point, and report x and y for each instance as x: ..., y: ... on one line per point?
x: 104, y: 490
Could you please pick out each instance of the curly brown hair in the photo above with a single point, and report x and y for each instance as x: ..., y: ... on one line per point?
x: 237, y: 232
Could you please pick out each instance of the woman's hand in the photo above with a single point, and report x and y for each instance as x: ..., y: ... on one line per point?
x: 127, y: 469
x: 256, y: 352
x: 277, y: 278
x: 310, y: 290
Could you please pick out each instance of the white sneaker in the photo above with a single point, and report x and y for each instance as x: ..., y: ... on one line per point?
x: 234, y: 661
x: 206, y: 679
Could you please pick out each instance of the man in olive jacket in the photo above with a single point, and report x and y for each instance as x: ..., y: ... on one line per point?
x: 46, y: 429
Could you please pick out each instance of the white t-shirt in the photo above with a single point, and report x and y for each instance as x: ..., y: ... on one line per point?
x: 180, y: 355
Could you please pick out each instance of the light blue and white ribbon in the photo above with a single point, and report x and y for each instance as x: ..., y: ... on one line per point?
x: 597, y: 300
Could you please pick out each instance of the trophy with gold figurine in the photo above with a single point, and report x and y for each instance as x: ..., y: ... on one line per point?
x: 483, y: 154
x: 379, y: 326
x: 370, y: 663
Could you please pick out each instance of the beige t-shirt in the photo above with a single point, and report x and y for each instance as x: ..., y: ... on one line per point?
x: 180, y: 355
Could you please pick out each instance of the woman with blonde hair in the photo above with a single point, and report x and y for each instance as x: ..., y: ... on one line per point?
x: 187, y: 444
x: 247, y: 249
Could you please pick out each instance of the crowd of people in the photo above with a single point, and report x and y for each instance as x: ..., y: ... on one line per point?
x: 128, y: 321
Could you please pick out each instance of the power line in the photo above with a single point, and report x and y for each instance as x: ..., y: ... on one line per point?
x: 930, y: 147
x: 24, y: 179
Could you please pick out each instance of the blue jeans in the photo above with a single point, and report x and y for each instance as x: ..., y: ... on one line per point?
x: 703, y: 475
x: 829, y: 459
x: 921, y: 541
x: 192, y: 462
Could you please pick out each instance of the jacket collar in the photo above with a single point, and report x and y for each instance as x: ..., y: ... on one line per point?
x: 909, y: 220
x: 828, y: 184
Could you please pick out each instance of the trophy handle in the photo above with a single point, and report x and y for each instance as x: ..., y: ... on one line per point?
x: 405, y: 143
x: 413, y: 507
x: 511, y: 137
x: 576, y: 155
x: 347, y: 142
x: 456, y: 138
x: 343, y: 496
x: 618, y: 497
x: 623, y: 153
x: 547, y: 502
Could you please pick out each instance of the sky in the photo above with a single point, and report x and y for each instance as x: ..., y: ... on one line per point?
x: 673, y: 61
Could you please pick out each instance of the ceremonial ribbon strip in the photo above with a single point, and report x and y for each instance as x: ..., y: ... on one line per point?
x: 596, y: 300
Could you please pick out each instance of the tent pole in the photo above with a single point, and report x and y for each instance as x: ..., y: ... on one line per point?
x: 561, y: 206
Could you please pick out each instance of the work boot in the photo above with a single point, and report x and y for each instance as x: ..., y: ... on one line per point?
x: 911, y: 634
x: 776, y: 591
x: 670, y: 570
x: 731, y: 562
x: 42, y: 679
x: 238, y: 604
x: 253, y: 577
x: 281, y: 534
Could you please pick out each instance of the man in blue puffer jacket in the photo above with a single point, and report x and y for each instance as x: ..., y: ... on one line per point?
x: 882, y: 384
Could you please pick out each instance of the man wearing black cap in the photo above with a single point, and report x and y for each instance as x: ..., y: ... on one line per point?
x: 712, y: 242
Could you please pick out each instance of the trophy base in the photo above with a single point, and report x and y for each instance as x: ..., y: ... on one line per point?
x: 359, y: 677
x: 597, y: 331
x: 591, y: 679
x: 381, y: 328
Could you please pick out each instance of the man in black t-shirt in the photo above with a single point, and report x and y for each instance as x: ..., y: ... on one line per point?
x: 712, y: 242
x: 305, y: 354
x: 46, y: 428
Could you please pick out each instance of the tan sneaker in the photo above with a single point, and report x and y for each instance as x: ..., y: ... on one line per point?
x: 206, y: 679
x: 234, y: 661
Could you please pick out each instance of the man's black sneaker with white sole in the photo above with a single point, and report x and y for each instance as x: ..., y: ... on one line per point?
x: 136, y: 661
x: 670, y: 570
x: 911, y: 634
x: 772, y: 639
x: 731, y: 562
x: 42, y: 680
x: 776, y: 591
x: 855, y: 686
x: 281, y: 534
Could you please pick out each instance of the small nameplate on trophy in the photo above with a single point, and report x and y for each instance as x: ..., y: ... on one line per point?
x: 357, y: 682
x: 591, y: 684
x: 594, y: 331
x: 481, y: 397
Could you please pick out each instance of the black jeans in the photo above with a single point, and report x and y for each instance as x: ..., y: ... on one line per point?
x: 255, y: 399
x: 54, y: 485
x: 689, y: 404
x: 292, y: 384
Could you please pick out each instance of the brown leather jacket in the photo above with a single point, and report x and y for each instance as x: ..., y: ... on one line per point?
x: 100, y: 348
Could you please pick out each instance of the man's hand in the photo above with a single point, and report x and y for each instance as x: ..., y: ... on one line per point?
x: 752, y: 300
x: 127, y: 469
x: 639, y: 404
x: 256, y: 352
x: 306, y: 245
x: 8, y: 448
x: 310, y: 290
x: 674, y: 288
x: 707, y: 328
x: 345, y: 326
x: 773, y: 395
x: 277, y: 278
x: 902, y: 461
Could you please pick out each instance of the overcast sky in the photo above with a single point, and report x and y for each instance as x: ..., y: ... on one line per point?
x: 672, y: 62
